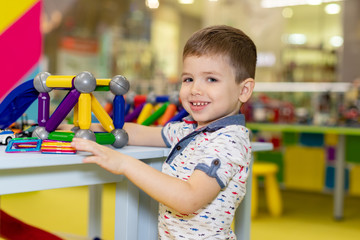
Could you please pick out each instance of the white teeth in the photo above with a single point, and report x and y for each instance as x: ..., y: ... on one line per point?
x: 199, y: 104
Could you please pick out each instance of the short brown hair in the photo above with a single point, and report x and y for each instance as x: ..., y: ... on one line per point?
x: 227, y: 41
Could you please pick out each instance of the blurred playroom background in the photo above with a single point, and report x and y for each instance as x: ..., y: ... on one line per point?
x: 307, y: 75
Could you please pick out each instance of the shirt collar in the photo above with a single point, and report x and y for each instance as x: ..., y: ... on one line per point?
x: 238, y: 119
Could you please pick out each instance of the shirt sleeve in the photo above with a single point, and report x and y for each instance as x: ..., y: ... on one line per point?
x: 226, y: 154
x: 171, y: 133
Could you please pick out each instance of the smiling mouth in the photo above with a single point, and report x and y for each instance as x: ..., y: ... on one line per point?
x: 199, y: 103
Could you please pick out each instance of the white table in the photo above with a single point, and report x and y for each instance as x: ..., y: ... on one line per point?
x: 135, y: 213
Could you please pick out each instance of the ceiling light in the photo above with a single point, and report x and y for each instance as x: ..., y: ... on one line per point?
x: 314, y: 2
x: 332, y: 8
x: 287, y: 12
x: 186, y: 1
x: 336, y: 41
x: 285, y: 3
x: 153, y: 4
x: 296, y: 39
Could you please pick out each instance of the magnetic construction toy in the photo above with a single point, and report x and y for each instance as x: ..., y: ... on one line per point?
x: 81, y: 99
x: 145, y: 109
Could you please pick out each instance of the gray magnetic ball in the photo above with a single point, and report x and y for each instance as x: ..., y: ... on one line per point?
x: 40, y: 82
x: 85, y: 134
x: 151, y: 98
x: 174, y: 98
x: 121, y: 138
x: 119, y: 85
x: 85, y: 82
x: 41, y: 133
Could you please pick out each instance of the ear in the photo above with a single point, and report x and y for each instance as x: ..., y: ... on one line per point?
x: 246, y: 89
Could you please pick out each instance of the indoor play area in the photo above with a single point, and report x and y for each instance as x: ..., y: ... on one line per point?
x: 84, y: 64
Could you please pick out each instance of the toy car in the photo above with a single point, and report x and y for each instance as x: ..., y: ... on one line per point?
x: 6, y: 135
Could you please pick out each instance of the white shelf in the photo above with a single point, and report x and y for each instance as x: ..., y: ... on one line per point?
x: 301, y: 87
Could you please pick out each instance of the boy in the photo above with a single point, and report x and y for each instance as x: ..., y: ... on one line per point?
x: 203, y: 180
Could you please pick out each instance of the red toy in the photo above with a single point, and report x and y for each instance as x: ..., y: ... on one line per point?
x: 14, y: 229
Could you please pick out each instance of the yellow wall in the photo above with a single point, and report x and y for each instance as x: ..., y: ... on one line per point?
x: 61, y: 211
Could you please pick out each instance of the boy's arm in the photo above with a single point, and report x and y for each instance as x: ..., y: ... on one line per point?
x: 144, y: 135
x: 183, y: 196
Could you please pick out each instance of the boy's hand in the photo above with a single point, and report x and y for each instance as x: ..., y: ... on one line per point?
x: 183, y: 196
x: 105, y: 157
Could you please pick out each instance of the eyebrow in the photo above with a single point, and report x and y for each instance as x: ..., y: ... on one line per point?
x: 216, y: 73
x: 185, y: 73
x: 206, y: 73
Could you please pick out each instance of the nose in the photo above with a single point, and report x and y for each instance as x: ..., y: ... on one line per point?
x: 195, y: 88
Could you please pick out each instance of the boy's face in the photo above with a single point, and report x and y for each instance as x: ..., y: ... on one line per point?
x: 209, y: 90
